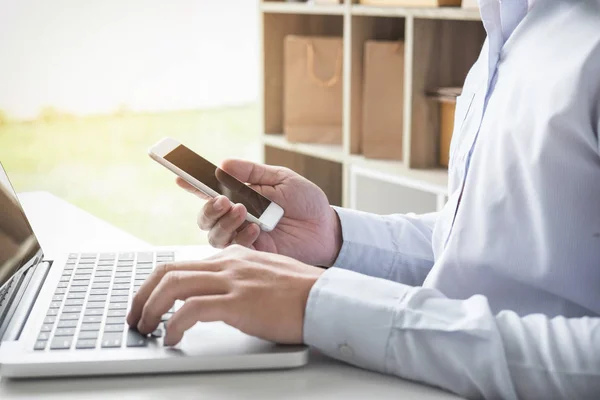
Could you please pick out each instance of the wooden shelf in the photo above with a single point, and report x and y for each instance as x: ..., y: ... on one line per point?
x: 450, y: 13
x: 275, y: 7
x: 324, y: 151
x: 440, y: 45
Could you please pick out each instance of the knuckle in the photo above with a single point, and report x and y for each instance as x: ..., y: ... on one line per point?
x: 163, y: 269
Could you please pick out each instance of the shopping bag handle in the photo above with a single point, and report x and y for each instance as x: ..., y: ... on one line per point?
x: 310, y: 65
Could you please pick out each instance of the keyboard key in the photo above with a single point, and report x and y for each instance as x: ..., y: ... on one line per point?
x: 40, y: 345
x: 65, y: 279
x: 119, y: 299
x: 85, y: 283
x: 69, y: 317
x: 117, y: 313
x: 122, y: 275
x: 117, y: 306
x: 165, y: 254
x: 82, y: 277
x: 99, y: 279
x: 68, y: 324
x: 92, y: 319
x: 103, y: 273
x: 73, y: 256
x: 43, y: 336
x: 87, y: 256
x: 46, y: 328
x: 62, y: 285
x: 90, y: 327
x: 104, y: 268
x: 135, y: 339
x: 61, y: 343
x: 86, y: 344
x: 112, y: 340
x: 74, y: 302
x: 145, y: 256
x: 58, y: 297
x: 72, y: 309
x: 126, y: 256
x: 98, y: 292
x: 52, y: 311
x: 122, y: 281
x: 94, y: 311
x: 98, y: 286
x: 96, y: 304
x: 97, y: 297
x: 64, y: 332
x: 76, y: 295
x: 105, y: 263
x: 114, y: 328
x: 55, y: 304
x: 78, y: 289
x: 60, y: 291
x: 50, y: 320
x: 88, y: 335
x: 107, y: 256
x: 119, y: 292
x: 114, y: 320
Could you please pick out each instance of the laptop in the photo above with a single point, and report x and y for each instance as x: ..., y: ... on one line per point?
x: 66, y: 316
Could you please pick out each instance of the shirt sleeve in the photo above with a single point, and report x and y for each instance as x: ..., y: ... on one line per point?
x: 395, y: 247
x: 459, y: 345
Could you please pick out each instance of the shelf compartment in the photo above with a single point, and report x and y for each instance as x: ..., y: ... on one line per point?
x: 275, y: 28
x: 279, y: 7
x: 363, y: 29
x: 442, y: 52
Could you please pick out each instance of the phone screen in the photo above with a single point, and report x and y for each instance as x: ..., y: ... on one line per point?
x: 218, y: 180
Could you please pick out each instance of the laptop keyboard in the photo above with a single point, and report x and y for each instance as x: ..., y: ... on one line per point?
x: 91, y: 301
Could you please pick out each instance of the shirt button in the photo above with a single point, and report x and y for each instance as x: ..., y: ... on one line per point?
x: 346, y: 351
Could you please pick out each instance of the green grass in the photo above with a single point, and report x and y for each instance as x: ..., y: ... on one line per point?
x: 100, y: 164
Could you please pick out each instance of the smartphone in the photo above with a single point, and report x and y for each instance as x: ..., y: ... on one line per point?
x: 213, y: 181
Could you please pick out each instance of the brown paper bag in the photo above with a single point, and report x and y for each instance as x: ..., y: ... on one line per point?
x: 313, y: 89
x: 383, y: 99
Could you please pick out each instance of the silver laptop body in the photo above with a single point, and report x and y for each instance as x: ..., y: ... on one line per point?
x: 66, y: 317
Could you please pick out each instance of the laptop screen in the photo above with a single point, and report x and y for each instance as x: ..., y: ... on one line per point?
x: 18, y: 244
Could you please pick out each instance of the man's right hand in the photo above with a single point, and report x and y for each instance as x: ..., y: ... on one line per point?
x: 309, y: 230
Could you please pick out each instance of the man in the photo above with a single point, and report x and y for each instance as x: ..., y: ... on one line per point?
x: 497, y: 295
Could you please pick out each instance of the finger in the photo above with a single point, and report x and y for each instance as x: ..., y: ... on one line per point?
x: 178, y: 285
x: 249, y: 172
x: 195, y: 309
x: 190, y: 188
x: 212, y: 211
x: 247, y: 236
x: 137, y: 305
x: 224, y: 231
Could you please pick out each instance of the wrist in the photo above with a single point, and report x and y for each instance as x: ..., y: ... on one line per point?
x: 338, y: 238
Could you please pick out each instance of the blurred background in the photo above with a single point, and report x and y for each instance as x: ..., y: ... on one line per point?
x: 87, y: 86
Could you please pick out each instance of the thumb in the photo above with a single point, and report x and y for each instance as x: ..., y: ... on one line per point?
x: 253, y: 173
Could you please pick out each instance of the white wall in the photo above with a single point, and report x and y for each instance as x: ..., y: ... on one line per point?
x: 90, y: 56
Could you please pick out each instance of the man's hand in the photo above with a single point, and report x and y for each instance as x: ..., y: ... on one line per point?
x: 309, y: 230
x: 261, y: 294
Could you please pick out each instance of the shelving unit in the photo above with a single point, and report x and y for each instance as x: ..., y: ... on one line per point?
x: 440, y: 46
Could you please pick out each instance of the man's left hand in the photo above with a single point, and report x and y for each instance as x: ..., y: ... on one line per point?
x: 259, y: 293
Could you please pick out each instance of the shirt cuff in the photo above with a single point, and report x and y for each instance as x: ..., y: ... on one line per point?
x: 349, y: 316
x: 365, y: 247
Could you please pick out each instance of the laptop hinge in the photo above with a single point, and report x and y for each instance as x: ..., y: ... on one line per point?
x: 23, y: 302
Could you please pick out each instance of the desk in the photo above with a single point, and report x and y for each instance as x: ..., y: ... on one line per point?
x: 62, y: 226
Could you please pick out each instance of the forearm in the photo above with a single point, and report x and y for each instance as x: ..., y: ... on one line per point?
x: 459, y: 345
x: 395, y: 247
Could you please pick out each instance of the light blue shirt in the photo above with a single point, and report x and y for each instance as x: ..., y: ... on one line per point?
x: 498, y: 294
